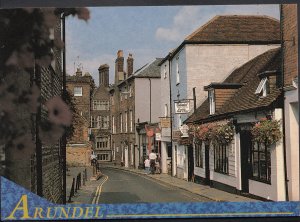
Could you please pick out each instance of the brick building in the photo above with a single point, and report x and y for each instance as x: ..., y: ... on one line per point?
x: 38, y: 165
x: 79, y: 148
x: 291, y: 103
x: 100, y: 117
x: 122, y: 112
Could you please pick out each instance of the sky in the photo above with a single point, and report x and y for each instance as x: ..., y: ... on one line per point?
x: 146, y: 32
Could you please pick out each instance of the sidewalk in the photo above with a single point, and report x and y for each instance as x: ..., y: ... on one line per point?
x: 86, y: 192
x: 202, y: 190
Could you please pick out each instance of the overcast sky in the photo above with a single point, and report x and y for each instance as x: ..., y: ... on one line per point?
x: 146, y: 32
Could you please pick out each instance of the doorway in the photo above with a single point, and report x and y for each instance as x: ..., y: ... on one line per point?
x: 190, y: 163
x: 245, y: 147
x: 207, y: 170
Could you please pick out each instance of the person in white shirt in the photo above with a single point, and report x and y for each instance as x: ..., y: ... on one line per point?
x: 147, y: 165
x: 152, y: 157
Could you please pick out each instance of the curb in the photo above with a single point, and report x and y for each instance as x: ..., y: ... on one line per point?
x: 160, y: 181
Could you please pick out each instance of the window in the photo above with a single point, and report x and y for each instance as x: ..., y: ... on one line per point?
x: 166, y: 110
x: 112, y: 101
x: 131, y: 120
x: 126, y: 121
x: 100, y: 105
x: 130, y: 91
x: 104, y: 122
x: 77, y: 91
x: 104, y: 157
x: 165, y: 71
x: 199, y: 155
x: 101, y: 142
x: 121, y: 123
x: 179, y: 120
x: 261, y: 162
x: 212, y: 104
x: 113, y: 125
x: 94, y: 122
x: 221, y: 158
x: 177, y: 73
x: 263, y: 87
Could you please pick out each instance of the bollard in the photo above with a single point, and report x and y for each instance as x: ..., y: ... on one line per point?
x: 79, y: 183
x: 76, y: 184
x: 85, y: 174
x: 83, y: 179
x: 72, y: 190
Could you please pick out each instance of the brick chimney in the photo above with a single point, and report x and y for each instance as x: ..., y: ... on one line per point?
x: 119, y: 67
x: 104, y: 75
x: 129, y: 65
x: 78, y: 72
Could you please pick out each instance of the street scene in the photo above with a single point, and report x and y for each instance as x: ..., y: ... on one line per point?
x: 112, y: 105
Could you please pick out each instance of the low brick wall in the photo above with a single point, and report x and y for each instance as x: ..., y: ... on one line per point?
x: 79, y: 155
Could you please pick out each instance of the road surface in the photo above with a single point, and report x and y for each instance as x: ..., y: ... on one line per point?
x: 119, y: 186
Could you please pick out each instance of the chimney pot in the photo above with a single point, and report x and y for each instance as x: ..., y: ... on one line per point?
x: 120, y: 53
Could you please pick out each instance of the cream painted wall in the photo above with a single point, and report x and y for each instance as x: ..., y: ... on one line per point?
x: 213, y: 63
x: 292, y: 143
x: 142, y: 99
x: 275, y: 191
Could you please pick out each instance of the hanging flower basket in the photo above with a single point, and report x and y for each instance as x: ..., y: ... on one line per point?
x: 223, y: 134
x: 217, y: 133
x: 266, y: 131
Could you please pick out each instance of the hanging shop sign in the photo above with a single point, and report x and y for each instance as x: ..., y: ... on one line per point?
x: 158, y: 136
x: 182, y: 107
x: 176, y: 135
x: 184, y: 129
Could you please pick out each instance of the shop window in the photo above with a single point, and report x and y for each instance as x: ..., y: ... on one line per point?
x: 199, y: 155
x: 221, y: 158
x: 261, y: 163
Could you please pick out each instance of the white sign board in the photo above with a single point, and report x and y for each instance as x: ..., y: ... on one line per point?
x: 158, y: 136
x: 182, y: 107
x: 184, y: 130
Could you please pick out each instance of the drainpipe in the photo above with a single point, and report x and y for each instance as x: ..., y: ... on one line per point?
x: 171, y: 118
x: 282, y: 98
x: 150, y: 98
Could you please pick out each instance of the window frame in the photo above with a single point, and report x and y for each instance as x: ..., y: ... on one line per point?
x: 212, y: 101
x: 199, y: 161
x: 221, y: 158
x: 261, y: 150
x: 81, y: 91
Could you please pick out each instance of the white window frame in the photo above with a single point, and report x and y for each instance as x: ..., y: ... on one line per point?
x: 262, y: 87
x: 131, y: 120
x: 113, y: 125
x: 166, y: 110
x: 121, y: 123
x: 130, y: 90
x: 126, y: 122
x: 165, y: 71
x: 79, y: 89
x: 212, y: 102
x: 177, y: 72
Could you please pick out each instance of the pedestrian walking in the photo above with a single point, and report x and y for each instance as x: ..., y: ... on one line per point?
x: 147, y: 165
x: 152, y: 157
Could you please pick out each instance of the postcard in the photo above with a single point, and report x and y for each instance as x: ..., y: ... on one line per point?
x: 143, y: 112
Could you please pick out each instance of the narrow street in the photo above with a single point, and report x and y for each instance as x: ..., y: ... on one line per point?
x: 118, y: 186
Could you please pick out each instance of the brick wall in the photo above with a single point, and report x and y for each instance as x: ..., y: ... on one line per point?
x: 79, y: 155
x: 290, y: 37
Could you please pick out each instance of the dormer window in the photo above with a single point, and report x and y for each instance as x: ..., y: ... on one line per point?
x: 262, y: 88
x: 212, y: 104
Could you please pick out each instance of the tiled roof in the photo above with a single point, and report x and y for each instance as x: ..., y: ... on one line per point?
x: 245, y: 98
x: 152, y: 70
x: 238, y: 28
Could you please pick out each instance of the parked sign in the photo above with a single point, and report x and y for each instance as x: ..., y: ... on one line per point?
x: 182, y: 106
x: 184, y: 130
x: 158, y: 136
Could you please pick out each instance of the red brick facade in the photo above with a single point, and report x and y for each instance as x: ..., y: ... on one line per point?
x: 290, y: 42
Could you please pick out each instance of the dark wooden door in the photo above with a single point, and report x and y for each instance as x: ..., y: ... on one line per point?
x: 190, y: 163
x: 246, y: 144
x: 207, y: 170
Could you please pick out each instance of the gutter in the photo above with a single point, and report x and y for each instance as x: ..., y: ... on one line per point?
x: 282, y: 98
